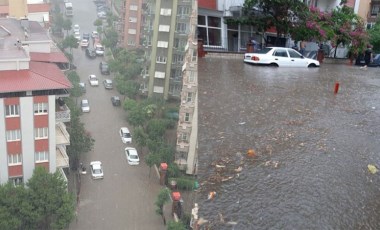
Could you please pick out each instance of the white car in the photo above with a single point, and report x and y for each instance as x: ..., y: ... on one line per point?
x: 93, y: 80
x: 76, y: 28
x: 102, y: 14
x: 132, y: 156
x: 84, y: 43
x: 99, y: 50
x: 77, y: 35
x: 94, y: 34
x: 279, y: 57
x: 96, y: 170
x: 85, y: 105
x: 125, y: 135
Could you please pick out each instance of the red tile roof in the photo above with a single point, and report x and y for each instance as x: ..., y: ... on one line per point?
x: 55, y: 57
x: 4, y: 9
x: 35, y: 8
x: 39, y: 76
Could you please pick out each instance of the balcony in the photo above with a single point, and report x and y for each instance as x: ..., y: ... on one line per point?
x: 62, y: 158
x: 60, y: 170
x: 62, y: 113
x: 62, y: 137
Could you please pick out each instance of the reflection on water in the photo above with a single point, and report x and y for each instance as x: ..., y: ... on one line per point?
x: 312, y: 146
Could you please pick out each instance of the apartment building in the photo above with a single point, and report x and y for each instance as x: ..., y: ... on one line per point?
x: 34, y: 10
x: 186, y: 155
x: 32, y: 113
x: 130, y: 24
x: 166, y: 25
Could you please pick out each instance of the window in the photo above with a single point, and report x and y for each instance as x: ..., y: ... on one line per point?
x: 41, y: 156
x: 133, y: 7
x: 158, y: 89
x: 280, y: 53
x: 14, y: 159
x: 159, y: 74
x: 189, y: 97
x: 41, y: 133
x: 13, y: 135
x: 131, y: 42
x: 181, y: 27
x: 132, y: 19
x: 209, y: 30
x: 183, y: 137
x: 161, y: 59
x: 375, y: 10
x: 163, y: 28
x: 201, y: 20
x: 40, y: 108
x: 16, y: 181
x: 194, y: 55
x: 294, y: 54
x: 191, y: 77
x: 187, y: 117
x: 179, y: 44
x: 166, y: 12
x: 131, y: 31
x: 162, y: 44
x: 183, y: 10
x: 12, y: 110
x: 177, y: 58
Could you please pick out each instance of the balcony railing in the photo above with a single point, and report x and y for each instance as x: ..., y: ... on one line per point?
x: 62, y: 157
x: 61, y: 134
x: 62, y: 114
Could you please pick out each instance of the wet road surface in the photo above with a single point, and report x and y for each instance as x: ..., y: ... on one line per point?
x: 312, y: 147
x: 125, y: 198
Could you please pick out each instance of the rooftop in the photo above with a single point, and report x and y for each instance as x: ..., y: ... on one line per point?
x: 39, y: 76
x: 23, y: 31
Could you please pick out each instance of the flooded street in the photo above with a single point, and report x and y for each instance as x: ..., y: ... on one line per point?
x: 312, y: 147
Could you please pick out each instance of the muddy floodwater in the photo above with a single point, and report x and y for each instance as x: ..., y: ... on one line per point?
x: 312, y: 147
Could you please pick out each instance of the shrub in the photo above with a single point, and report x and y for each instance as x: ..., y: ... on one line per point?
x: 184, y: 183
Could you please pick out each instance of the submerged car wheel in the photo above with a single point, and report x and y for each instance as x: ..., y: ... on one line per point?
x: 273, y: 65
x: 312, y: 65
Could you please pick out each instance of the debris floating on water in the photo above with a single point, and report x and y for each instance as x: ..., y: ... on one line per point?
x: 372, y: 169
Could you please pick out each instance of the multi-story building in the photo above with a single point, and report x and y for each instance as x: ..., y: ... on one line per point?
x: 166, y: 28
x: 34, y: 10
x: 32, y: 112
x: 187, y: 130
x: 130, y: 24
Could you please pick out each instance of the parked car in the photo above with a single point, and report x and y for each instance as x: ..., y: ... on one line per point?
x: 85, y: 106
x: 90, y: 53
x: 102, y: 14
x: 132, y: 156
x: 77, y: 35
x: 125, y: 135
x: 84, y: 43
x: 99, y: 50
x: 108, y: 84
x: 82, y: 86
x: 115, y: 101
x: 96, y: 170
x: 103, y: 66
x: 279, y: 57
x: 76, y: 28
x: 93, y: 80
x: 94, y: 34
x: 86, y: 36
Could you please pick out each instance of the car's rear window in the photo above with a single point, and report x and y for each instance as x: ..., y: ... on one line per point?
x: 263, y: 51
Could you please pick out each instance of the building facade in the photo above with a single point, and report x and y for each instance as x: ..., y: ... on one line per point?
x: 186, y: 155
x: 32, y: 122
x: 166, y: 26
x: 130, y: 24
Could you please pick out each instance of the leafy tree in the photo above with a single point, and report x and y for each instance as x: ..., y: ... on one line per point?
x: 98, y: 22
x: 162, y: 198
x: 66, y: 25
x: 137, y: 116
x: 270, y: 13
x: 53, y: 205
x: 374, y: 36
x: 130, y: 104
x: 156, y: 129
x: 172, y: 225
x: 152, y: 159
x: 70, y: 42
x: 140, y: 137
x: 126, y: 64
x: 111, y: 38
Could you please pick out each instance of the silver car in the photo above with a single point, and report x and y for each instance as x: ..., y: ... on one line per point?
x: 108, y: 84
x: 85, y: 106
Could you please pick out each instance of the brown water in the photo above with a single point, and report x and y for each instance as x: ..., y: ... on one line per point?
x: 312, y: 146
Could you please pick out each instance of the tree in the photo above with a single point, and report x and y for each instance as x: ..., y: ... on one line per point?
x: 67, y: 24
x: 374, y: 36
x: 156, y: 129
x: 70, y: 42
x: 270, y: 13
x: 162, y: 198
x: 152, y: 159
x: 53, y: 205
x: 137, y: 116
x: 140, y: 137
x: 111, y: 38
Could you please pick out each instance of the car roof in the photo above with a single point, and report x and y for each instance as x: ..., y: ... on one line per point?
x: 116, y: 97
x: 132, y: 151
x: 92, y: 75
x: 108, y: 80
x: 84, y: 100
